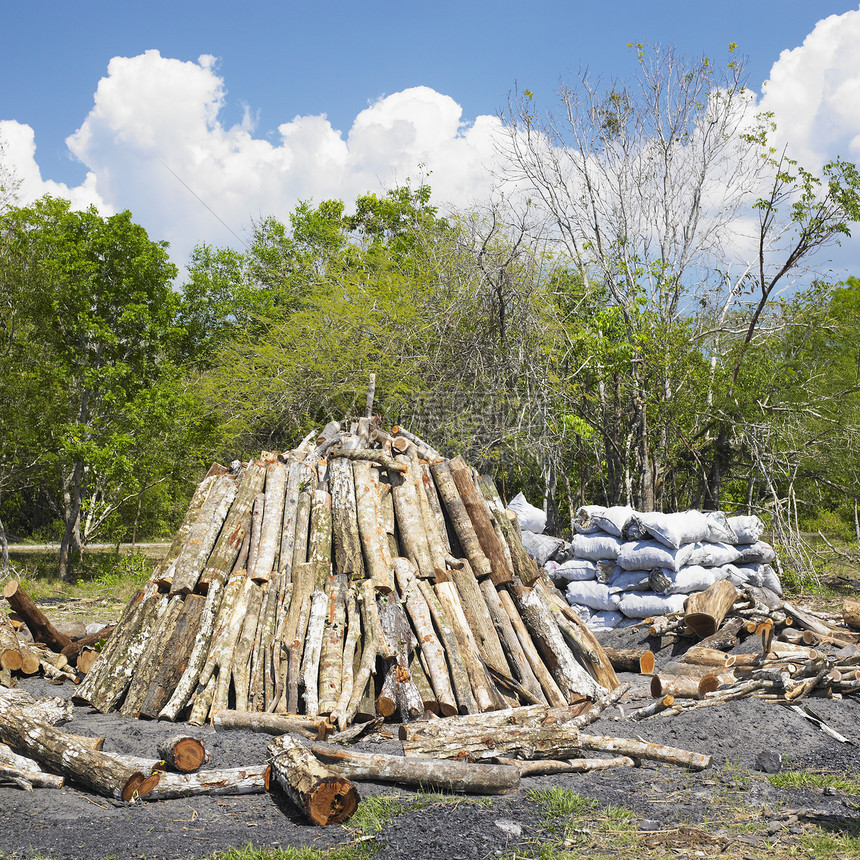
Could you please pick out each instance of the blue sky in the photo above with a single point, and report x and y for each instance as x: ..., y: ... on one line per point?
x: 275, y: 62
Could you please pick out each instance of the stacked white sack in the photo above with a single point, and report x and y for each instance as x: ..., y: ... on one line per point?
x: 622, y: 565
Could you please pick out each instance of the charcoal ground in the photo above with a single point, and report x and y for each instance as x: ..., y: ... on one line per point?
x: 74, y: 824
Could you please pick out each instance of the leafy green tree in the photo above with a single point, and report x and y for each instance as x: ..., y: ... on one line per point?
x: 102, y: 324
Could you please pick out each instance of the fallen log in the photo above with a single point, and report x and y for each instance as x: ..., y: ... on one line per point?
x: 315, y: 728
x: 437, y: 774
x: 325, y: 797
x: 183, y: 754
x: 644, y: 750
x: 705, y: 610
x: 236, y: 781
x: 37, y: 622
x: 575, y: 765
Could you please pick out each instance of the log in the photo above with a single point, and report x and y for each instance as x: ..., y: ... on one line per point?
x: 295, y: 624
x: 319, y: 537
x: 63, y: 754
x: 253, y: 537
x: 371, y: 527
x: 315, y: 728
x: 574, y: 765
x: 71, y: 652
x: 552, y: 692
x: 244, y: 653
x: 705, y: 611
x: 231, y: 781
x: 303, y: 524
x: 678, y: 686
x: 851, y: 612
x: 410, y: 520
x: 269, y: 545
x: 368, y: 456
x: 313, y: 650
x: 370, y: 649
x: 291, y: 509
x: 331, y: 658
x: 345, y: 528
x: 204, y: 533
x: 399, y: 692
x: 643, y: 750
x: 476, y: 507
x: 639, y: 660
x: 183, y: 753
x: 436, y: 774
x: 350, y: 655
x: 10, y: 649
x: 570, y: 676
x: 460, y: 520
x: 428, y: 517
x: 325, y: 797
x: 37, y: 622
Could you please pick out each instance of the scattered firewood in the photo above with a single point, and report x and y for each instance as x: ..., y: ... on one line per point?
x: 36, y: 620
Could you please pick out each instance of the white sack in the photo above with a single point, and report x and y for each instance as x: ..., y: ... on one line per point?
x: 574, y: 570
x: 762, y: 575
x: 672, y: 530
x: 630, y: 580
x: 648, y: 554
x: 687, y: 580
x: 605, y: 620
x: 583, y: 521
x: 531, y: 519
x: 713, y: 554
x: 541, y: 546
x: 595, y: 547
x: 645, y: 604
x: 612, y: 520
x: 747, y: 529
x: 594, y: 595
x: 756, y: 553
x: 719, y: 530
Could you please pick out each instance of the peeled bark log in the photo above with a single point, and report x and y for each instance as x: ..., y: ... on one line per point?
x: 331, y: 659
x: 642, y: 749
x: 10, y: 649
x: 639, y: 660
x: 705, y: 611
x: 183, y: 753
x: 679, y: 686
x: 501, y: 571
x: 312, y: 651
x: 434, y: 774
x: 370, y: 649
x: 243, y: 652
x: 324, y: 796
x: 36, y: 620
x: 574, y: 765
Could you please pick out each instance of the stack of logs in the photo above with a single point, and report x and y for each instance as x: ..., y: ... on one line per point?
x: 798, y: 653
x: 360, y: 574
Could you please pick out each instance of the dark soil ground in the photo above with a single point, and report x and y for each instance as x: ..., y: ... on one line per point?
x: 706, y: 812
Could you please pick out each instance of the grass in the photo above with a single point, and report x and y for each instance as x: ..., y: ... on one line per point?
x: 847, y: 783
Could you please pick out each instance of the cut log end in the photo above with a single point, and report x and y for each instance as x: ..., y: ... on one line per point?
x: 132, y: 789
x: 333, y: 801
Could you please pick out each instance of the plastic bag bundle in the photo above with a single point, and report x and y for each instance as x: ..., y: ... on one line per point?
x: 583, y: 521
x: 687, y: 580
x: 746, y: 529
x: 645, y: 604
x: 648, y: 554
x: 542, y: 547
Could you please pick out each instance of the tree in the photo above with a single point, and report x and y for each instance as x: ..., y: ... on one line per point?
x: 646, y: 181
x: 101, y: 327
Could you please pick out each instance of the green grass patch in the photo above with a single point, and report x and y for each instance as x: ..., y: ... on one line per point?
x: 848, y: 783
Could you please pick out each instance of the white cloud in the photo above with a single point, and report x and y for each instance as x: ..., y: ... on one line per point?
x: 20, y: 153
x: 814, y: 93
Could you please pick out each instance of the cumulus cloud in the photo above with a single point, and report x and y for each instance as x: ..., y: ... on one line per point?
x: 154, y: 142
x: 814, y: 93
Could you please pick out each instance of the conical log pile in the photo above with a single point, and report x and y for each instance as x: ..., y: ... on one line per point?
x: 360, y: 575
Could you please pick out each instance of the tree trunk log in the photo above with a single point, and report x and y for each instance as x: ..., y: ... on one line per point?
x: 313, y: 650
x: 331, y: 659
x: 639, y: 660
x: 273, y: 517
x: 244, y: 655
x: 315, y: 728
x: 574, y: 765
x: 183, y: 754
x: 371, y: 527
x: 10, y: 648
x: 324, y: 796
x: 705, y: 611
x: 410, y: 520
x: 399, y: 692
x: 370, y: 649
x: 36, y: 620
x: 345, y: 529
x: 434, y: 774
x: 643, y: 750
x: 851, y: 612
x: 232, y: 781
x: 319, y: 538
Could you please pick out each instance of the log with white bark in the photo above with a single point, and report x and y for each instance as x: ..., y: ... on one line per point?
x: 315, y: 728
x: 319, y: 536
x: 243, y: 654
x: 203, y: 535
x: 437, y: 774
x: 269, y: 545
x: 574, y: 765
x: 349, y: 659
x: 64, y: 754
x: 313, y: 650
x: 253, y: 779
x: 325, y: 797
x: 331, y: 657
x: 345, y: 527
x: 370, y: 648
x: 399, y: 692
x: 293, y: 632
x: 410, y: 520
x: 371, y: 527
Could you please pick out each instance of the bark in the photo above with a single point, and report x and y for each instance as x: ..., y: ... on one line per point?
x: 203, y: 535
x: 225, y: 645
x: 345, y: 527
x: 324, y: 796
x: 292, y: 637
x: 433, y: 774
x: 501, y: 571
x: 351, y: 644
x: 574, y: 765
x: 319, y: 538
x: 273, y: 518
x: 371, y: 527
x: 643, y: 750
x: 705, y: 611
x: 370, y: 649
x: 64, y: 754
x: 639, y: 660
x: 303, y: 522
x: 851, y: 612
x: 291, y: 509
x: 10, y: 649
x: 37, y: 622
x: 258, y: 509
x: 243, y: 653
x: 368, y: 455
x: 312, y: 651
x: 399, y: 692
x: 315, y: 728
x: 460, y: 520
